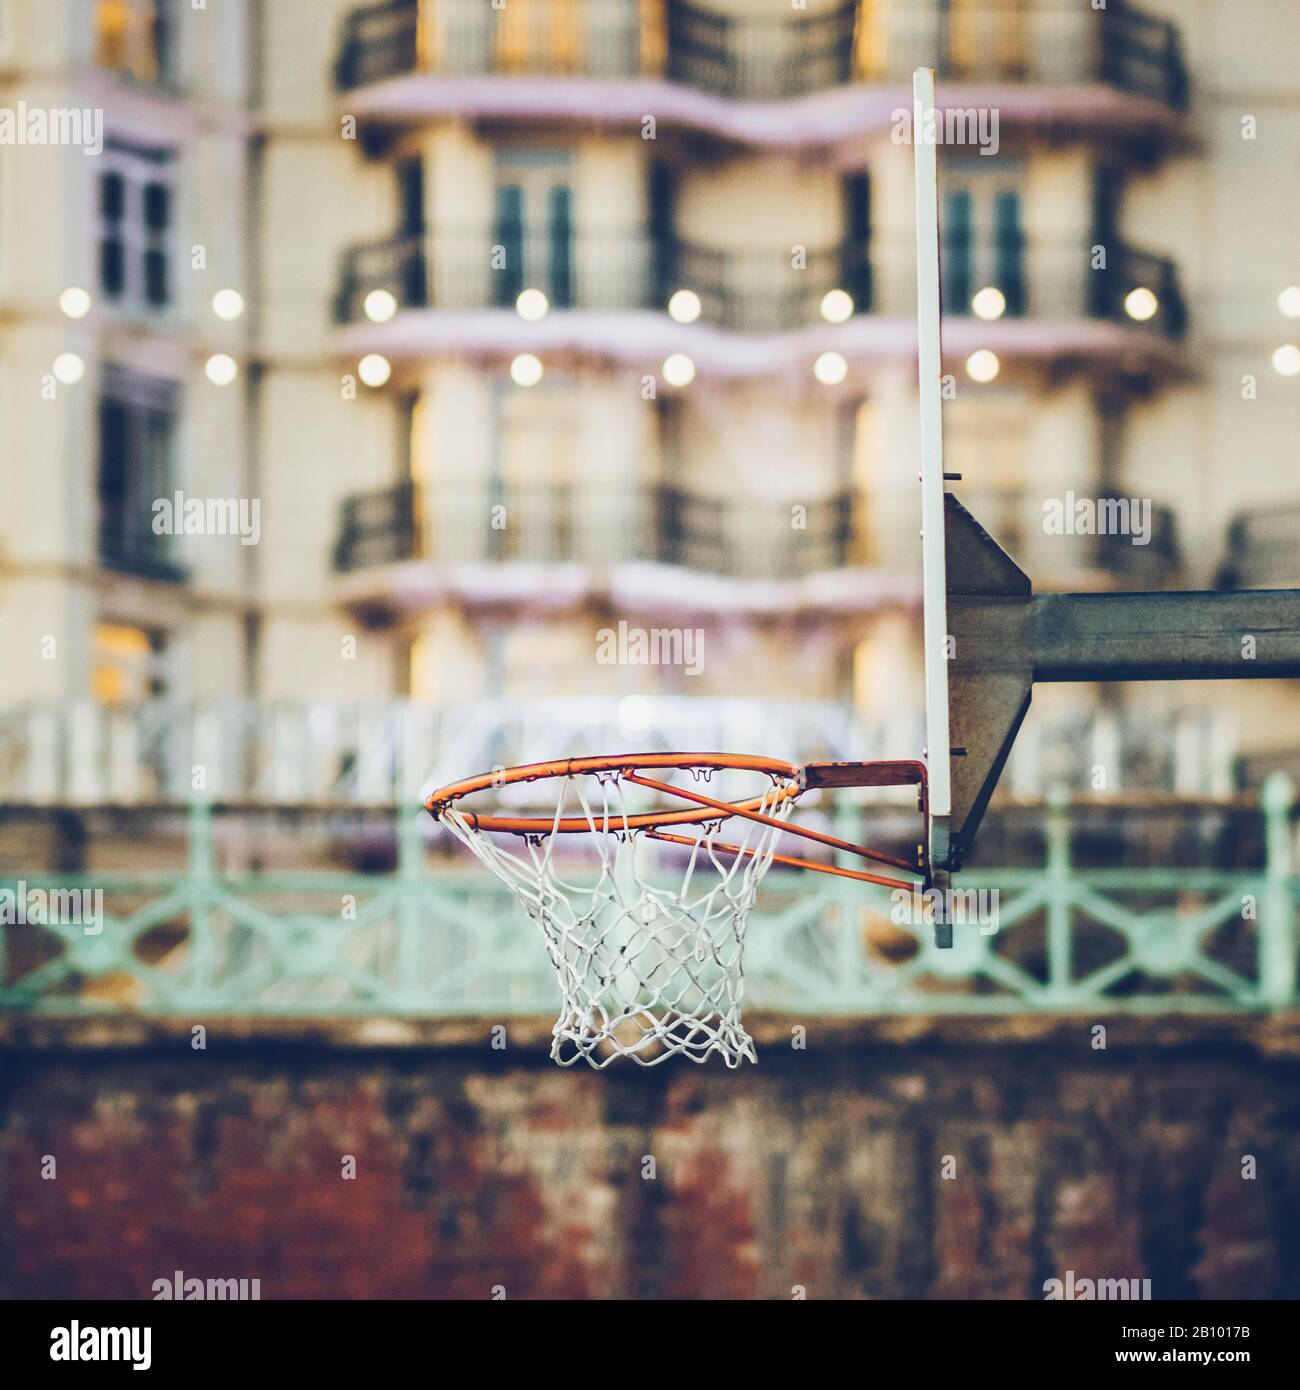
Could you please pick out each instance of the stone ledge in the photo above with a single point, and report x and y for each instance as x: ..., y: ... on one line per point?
x: 1265, y: 1036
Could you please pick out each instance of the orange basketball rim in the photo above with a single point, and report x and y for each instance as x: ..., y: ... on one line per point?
x: 790, y: 779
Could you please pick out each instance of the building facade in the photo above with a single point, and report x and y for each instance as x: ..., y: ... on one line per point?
x: 555, y: 317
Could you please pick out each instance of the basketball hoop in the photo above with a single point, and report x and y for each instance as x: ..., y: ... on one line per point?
x: 649, y: 968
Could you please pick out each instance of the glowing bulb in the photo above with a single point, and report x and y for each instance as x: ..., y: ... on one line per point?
x: 69, y: 368
x: 526, y: 370
x: 221, y: 369
x: 837, y: 306
x: 379, y: 306
x: 1289, y: 301
x: 75, y: 302
x: 989, y: 304
x: 1286, y: 360
x: 678, y: 369
x: 684, y: 306
x: 830, y: 369
x: 532, y: 305
x: 374, y: 369
x: 1140, y: 304
x: 983, y: 366
x: 228, y: 305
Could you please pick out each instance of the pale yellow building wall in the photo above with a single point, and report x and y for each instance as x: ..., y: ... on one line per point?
x: 458, y: 182
x: 759, y: 202
x: 745, y: 443
x: 318, y: 197
x: 449, y: 662
x: 300, y: 39
x: 39, y: 239
x: 609, y: 186
x: 324, y: 444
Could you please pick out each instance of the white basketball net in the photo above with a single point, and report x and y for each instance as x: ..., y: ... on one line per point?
x: 647, y: 970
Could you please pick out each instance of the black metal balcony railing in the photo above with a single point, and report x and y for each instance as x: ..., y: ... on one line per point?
x: 1041, y: 41
x: 756, y: 57
x: 133, y: 549
x: 558, y: 523
x: 1144, y: 55
x: 453, y: 270
x: 755, y: 291
x: 1129, y: 269
x: 773, y: 56
x: 377, y: 528
x: 393, y: 264
x: 1018, y: 518
x: 765, y: 291
x: 1263, y: 549
x: 759, y: 57
x: 752, y: 291
x: 1141, y: 566
x: 714, y: 535
x: 379, y: 41
x: 1060, y: 282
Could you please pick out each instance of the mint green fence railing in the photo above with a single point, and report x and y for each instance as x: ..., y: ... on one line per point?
x: 433, y: 942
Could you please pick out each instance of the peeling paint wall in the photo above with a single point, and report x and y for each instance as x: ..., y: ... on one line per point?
x: 820, y: 1169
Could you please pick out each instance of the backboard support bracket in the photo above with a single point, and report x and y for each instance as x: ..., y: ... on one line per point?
x: 1004, y: 639
x: 988, y: 638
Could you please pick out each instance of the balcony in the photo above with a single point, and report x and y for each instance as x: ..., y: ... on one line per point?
x: 755, y: 57
x: 564, y: 524
x: 746, y: 291
x: 1263, y: 549
x: 758, y: 57
x: 1130, y: 317
x: 845, y: 552
x: 1132, y: 270
x: 134, y: 550
x: 773, y: 77
x: 452, y: 270
x: 377, y: 528
x: 1075, y: 560
x: 1056, y: 282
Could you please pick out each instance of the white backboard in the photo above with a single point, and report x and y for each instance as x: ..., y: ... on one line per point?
x: 933, y: 567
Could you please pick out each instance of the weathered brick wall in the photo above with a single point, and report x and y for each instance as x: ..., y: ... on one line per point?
x: 822, y: 1168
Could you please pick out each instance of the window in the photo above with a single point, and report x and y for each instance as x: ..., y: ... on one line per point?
x: 855, y: 251
x: 984, y: 41
x: 136, y: 38
x: 136, y: 195
x: 538, y: 36
x: 533, y: 224
x: 137, y: 425
x: 983, y: 238
x: 413, y: 287
x: 127, y: 664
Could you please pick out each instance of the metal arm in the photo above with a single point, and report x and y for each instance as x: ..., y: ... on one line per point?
x: 1004, y: 638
